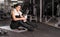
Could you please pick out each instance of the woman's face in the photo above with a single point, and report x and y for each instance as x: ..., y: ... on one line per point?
x: 18, y: 8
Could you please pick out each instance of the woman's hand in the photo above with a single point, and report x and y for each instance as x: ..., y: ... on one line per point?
x: 23, y: 18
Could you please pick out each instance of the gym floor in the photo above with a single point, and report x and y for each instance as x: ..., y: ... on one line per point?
x: 43, y: 30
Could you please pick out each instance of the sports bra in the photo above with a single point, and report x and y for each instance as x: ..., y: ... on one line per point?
x: 17, y: 13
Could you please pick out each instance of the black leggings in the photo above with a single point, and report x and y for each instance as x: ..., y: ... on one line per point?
x: 16, y: 24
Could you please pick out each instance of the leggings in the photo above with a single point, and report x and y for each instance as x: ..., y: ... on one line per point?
x: 16, y: 24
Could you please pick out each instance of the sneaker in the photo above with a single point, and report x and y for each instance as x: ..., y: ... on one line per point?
x: 21, y: 28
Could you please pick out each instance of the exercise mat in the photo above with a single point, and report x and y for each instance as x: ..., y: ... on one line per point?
x: 13, y: 30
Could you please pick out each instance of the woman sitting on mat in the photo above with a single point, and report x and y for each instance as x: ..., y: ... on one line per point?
x: 19, y: 20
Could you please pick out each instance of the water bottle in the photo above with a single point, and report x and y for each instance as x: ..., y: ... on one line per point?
x: 25, y: 18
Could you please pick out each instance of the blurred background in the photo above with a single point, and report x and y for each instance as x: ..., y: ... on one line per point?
x: 44, y: 11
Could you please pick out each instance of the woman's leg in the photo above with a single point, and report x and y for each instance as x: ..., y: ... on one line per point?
x: 26, y: 25
x: 31, y: 24
x: 14, y: 25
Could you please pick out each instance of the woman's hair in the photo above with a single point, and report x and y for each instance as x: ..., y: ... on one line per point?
x: 16, y: 5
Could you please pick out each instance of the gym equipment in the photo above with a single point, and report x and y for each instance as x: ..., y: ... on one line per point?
x: 51, y: 16
x: 58, y: 23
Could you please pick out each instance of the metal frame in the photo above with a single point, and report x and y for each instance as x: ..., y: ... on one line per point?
x: 40, y: 10
x: 52, y: 12
x: 34, y: 12
x: 46, y: 20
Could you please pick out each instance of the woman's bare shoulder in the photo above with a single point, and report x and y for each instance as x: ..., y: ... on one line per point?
x: 12, y: 9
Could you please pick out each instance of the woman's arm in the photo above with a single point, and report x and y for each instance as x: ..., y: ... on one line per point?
x: 14, y: 18
x: 21, y: 16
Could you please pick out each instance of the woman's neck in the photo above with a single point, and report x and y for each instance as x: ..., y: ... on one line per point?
x: 17, y: 10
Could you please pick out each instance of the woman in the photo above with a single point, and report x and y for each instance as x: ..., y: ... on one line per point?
x: 18, y: 19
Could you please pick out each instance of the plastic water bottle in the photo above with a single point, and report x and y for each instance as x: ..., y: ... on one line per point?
x: 25, y: 18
